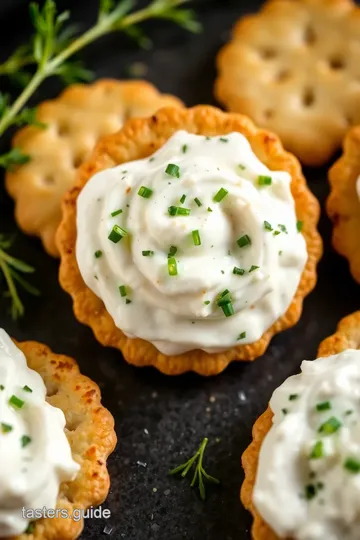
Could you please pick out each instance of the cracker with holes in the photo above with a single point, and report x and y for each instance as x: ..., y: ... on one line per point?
x: 75, y: 120
x: 302, y: 466
x: 189, y: 240
x: 343, y: 204
x: 55, y: 440
x: 294, y: 68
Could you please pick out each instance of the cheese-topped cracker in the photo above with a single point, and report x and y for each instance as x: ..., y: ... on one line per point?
x: 75, y: 120
x: 293, y: 68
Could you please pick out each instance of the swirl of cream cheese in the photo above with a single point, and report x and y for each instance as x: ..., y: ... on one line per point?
x: 34, y: 451
x: 239, y: 214
x: 308, y: 478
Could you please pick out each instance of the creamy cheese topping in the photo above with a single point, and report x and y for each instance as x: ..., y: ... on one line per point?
x: 308, y: 479
x: 199, y: 208
x: 34, y: 451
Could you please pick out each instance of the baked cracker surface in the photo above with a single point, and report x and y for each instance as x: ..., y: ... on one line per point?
x: 75, y: 121
x: 293, y: 68
x: 138, y: 139
x: 90, y: 432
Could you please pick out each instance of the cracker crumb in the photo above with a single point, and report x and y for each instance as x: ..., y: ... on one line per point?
x: 141, y: 464
x: 146, y: 431
x: 212, y: 399
x: 242, y: 396
x: 167, y: 492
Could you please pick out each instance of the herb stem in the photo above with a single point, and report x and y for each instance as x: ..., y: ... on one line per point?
x: 17, y: 308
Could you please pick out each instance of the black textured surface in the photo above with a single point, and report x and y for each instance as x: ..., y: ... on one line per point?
x: 161, y: 420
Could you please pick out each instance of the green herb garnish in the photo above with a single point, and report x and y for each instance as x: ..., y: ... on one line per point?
x: 147, y: 253
x: 282, y: 228
x: 117, y: 234
x: 310, y: 491
x: 183, y: 197
x: 293, y: 397
x: 352, y: 465
x: 242, y: 335
x: 172, y: 251
x: 209, y: 209
x: 127, y: 301
x: 330, y: 426
x: 25, y: 440
x: 98, y: 254
x: 196, y: 238
x: 200, y: 474
x: 122, y: 290
x: 145, y: 192
x: 16, y: 402
x: 198, y: 202
x: 267, y: 226
x: 238, y: 271
x: 244, y: 241
x: 317, y: 451
x: 220, y: 195
x: 323, y: 406
x: 116, y: 213
x: 223, y: 139
x: 172, y: 266
x: 264, y: 180
x: 6, y: 428
x: 299, y: 225
x: 207, y: 302
x: 184, y: 148
x: 173, y: 170
x: 27, y: 388
x: 253, y: 268
x: 178, y: 211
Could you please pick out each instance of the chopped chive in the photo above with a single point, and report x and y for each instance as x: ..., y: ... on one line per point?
x: 276, y: 233
x: 6, y: 428
x: 207, y: 302
x: 238, y: 271
x: 323, y: 406
x: 299, y: 225
x: 223, y: 139
x: 172, y: 266
x: 228, y: 309
x: 330, y: 426
x: 352, y: 465
x: 209, y: 209
x: 145, y: 192
x: 253, y: 268
x: 16, y: 402
x: 2, y: 387
x: 242, y: 335
x: 183, y: 197
x: 198, y: 202
x: 244, y: 241
x: 117, y: 234
x: 25, y: 440
x: 224, y: 293
x: 98, y: 254
x: 264, y: 180
x: 267, y: 226
x: 310, y: 491
x: 220, y: 195
x: 173, y: 170
x: 151, y: 159
x: 30, y: 529
x: 116, y: 213
x: 147, y: 253
x: 284, y: 411
x: 282, y: 228
x: 280, y: 252
x: 172, y: 251
x: 347, y: 413
x: 242, y: 167
x: 196, y: 238
x: 224, y: 298
x: 122, y: 290
x: 27, y: 388
x: 178, y: 211
x: 127, y: 301
x: 184, y: 148
x: 317, y: 451
x: 293, y: 397
x: 95, y: 276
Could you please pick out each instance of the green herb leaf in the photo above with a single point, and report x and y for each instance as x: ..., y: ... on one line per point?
x: 264, y: 180
x: 25, y: 440
x: 244, y: 241
x: 13, y: 159
x: 6, y: 428
x: 242, y: 336
x: 16, y: 402
x: 196, y: 238
x: 220, y: 195
x: 330, y: 426
x: 317, y: 451
x: 173, y: 170
x: 172, y: 266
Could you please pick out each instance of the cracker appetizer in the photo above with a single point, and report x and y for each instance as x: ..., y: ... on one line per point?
x: 73, y: 123
x: 343, y: 204
x: 189, y: 240
x: 293, y: 68
x: 55, y: 437
x: 302, y: 469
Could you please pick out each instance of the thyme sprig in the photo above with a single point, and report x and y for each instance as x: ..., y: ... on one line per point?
x: 200, y: 475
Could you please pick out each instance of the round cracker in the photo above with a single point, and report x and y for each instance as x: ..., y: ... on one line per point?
x: 347, y: 336
x: 75, y: 121
x: 293, y: 68
x: 343, y: 204
x: 139, y: 139
x: 90, y: 432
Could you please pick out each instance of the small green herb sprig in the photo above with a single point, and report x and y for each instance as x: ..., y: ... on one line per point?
x: 200, y: 474
x: 11, y: 270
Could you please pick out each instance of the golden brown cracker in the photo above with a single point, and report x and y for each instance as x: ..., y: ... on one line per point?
x: 347, y: 336
x: 75, y: 121
x: 293, y: 68
x: 90, y: 432
x: 138, y: 139
x: 343, y: 204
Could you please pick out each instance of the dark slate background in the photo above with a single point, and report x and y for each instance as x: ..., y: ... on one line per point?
x: 160, y: 421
